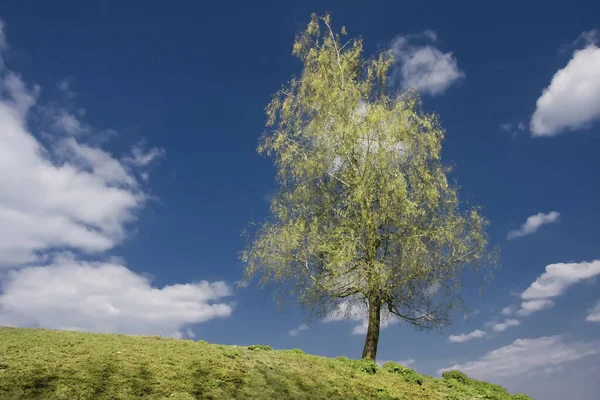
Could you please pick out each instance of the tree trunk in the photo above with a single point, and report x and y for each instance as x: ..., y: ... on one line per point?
x: 372, y: 339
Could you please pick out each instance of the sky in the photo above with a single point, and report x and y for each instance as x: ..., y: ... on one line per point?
x: 128, y: 171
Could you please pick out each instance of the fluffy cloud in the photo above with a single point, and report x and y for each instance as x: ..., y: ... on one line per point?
x: 476, y: 334
x: 558, y: 277
x: 553, y: 282
x: 533, y: 223
x: 356, y: 311
x: 60, y: 191
x: 105, y: 297
x: 65, y: 192
x: 594, y: 314
x: 572, y: 100
x: 424, y: 67
x: 296, y: 331
x: 502, y: 326
x: 525, y: 356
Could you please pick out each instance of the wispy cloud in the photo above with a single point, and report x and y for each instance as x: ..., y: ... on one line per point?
x: 64, y: 198
x: 502, y: 326
x: 533, y: 223
x: 526, y: 356
x: 476, y: 334
x: 141, y: 158
x: 513, y: 128
x: 190, y: 333
x: 529, y: 307
x: 63, y: 193
x: 508, y: 310
x: 424, y: 67
x: 297, y: 330
x: 594, y: 314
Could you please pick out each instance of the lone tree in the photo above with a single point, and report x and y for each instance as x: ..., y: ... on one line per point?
x: 364, y: 212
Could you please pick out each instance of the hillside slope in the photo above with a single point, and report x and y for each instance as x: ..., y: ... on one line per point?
x: 43, y: 364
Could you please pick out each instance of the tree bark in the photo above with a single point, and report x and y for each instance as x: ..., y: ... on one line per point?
x: 372, y: 339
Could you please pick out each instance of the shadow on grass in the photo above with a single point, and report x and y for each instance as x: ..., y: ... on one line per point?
x: 142, y: 384
x: 38, y: 382
x: 100, y: 381
x: 288, y: 385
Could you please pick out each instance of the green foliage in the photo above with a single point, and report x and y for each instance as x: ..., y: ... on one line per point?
x: 202, y: 341
x: 457, y: 375
x: 43, y: 364
x: 462, y: 385
x: 408, y: 374
x: 364, y: 209
x: 520, y: 396
x: 233, y: 353
x: 260, y: 347
x: 368, y: 366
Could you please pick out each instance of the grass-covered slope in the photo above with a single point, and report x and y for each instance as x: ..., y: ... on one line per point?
x: 43, y: 364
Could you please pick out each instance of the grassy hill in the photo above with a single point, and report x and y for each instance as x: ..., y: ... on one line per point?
x: 43, y: 364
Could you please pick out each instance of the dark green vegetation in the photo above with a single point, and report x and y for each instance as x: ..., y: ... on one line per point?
x: 42, y: 364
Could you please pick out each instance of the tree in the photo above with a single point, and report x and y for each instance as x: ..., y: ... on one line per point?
x: 364, y: 212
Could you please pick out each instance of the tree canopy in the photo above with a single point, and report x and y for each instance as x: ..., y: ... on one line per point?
x: 364, y: 210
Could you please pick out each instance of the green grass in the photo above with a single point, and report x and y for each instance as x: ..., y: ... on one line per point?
x: 44, y: 364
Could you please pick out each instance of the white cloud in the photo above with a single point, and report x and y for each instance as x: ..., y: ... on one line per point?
x: 142, y: 158
x: 594, y: 314
x: 554, y: 282
x: 190, y: 333
x: 502, y: 326
x: 572, y: 100
x: 529, y: 307
x: 65, y: 193
x: 356, y: 311
x: 65, y: 86
x: 525, y: 356
x: 70, y: 294
x: 476, y: 334
x: 296, y: 331
x: 469, y: 315
x: 424, y: 68
x: 60, y: 191
x: 508, y: 310
x: 558, y: 277
x: 513, y: 128
x: 588, y: 37
x: 533, y: 223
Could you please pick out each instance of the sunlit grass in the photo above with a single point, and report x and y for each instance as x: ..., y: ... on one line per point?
x: 43, y: 364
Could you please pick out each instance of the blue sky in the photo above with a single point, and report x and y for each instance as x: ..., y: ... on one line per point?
x: 128, y: 171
